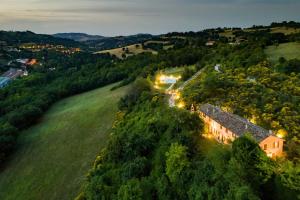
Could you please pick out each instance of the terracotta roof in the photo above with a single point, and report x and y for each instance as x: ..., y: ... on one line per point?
x: 234, y: 123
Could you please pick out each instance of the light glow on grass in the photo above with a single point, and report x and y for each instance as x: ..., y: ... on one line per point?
x: 177, y: 95
x: 181, y: 104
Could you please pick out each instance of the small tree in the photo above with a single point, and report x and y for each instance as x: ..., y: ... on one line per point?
x: 130, y: 191
x: 281, y: 60
x: 290, y: 175
x: 251, y: 162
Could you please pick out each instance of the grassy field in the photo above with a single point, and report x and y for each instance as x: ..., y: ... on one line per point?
x: 228, y: 34
x: 156, y: 42
x: 289, y: 50
x: 285, y: 30
x: 132, y: 50
x: 55, y: 155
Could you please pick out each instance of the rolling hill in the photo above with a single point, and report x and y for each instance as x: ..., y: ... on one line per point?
x: 289, y: 51
x: 103, y: 43
x: 117, y: 42
x: 127, y: 51
x: 19, y: 37
x: 55, y: 154
x: 79, y: 37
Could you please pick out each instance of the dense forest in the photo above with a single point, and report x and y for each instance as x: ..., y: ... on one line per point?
x: 255, y: 89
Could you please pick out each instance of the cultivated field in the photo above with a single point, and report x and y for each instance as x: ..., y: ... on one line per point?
x: 132, y: 50
x: 56, y: 154
x: 287, y: 50
x: 285, y: 30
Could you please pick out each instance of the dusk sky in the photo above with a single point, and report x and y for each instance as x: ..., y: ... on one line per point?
x: 124, y: 17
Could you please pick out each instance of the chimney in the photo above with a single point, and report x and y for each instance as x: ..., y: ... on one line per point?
x: 246, y: 126
x: 270, y: 132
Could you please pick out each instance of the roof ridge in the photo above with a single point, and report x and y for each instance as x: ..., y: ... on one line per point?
x: 234, y: 122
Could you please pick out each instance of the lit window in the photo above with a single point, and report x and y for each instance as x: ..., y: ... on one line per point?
x: 265, y: 147
x: 274, y: 144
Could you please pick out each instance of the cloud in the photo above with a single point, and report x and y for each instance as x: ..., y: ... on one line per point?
x: 87, y: 10
x: 115, y: 17
x: 237, y: 1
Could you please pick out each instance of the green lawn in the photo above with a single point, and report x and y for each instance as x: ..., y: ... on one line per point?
x: 289, y: 50
x: 54, y: 156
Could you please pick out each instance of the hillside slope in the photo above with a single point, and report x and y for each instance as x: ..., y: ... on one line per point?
x: 79, y: 37
x: 289, y: 51
x: 116, y: 42
x: 55, y: 155
x: 19, y: 37
x: 127, y: 51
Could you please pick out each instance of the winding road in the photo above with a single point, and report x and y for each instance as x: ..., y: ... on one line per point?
x: 173, y: 93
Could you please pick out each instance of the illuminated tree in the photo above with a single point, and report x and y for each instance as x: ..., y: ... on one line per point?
x: 176, y: 161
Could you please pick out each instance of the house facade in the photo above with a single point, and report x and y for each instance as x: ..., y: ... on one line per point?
x: 226, y: 127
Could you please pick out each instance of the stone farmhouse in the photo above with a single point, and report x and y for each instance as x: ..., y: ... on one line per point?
x: 226, y: 127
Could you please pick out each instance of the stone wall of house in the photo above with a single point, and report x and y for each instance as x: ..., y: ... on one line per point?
x: 273, y: 146
x: 220, y: 133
